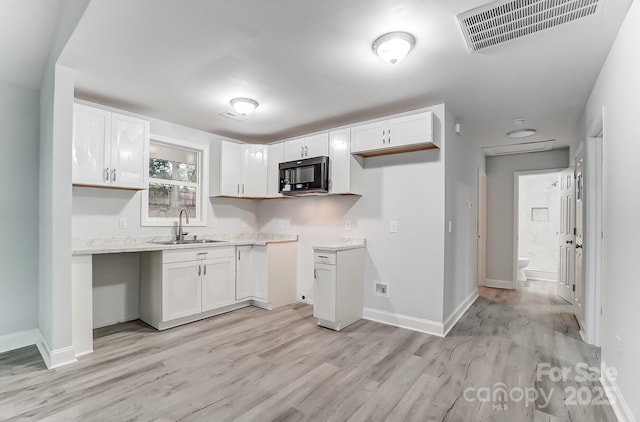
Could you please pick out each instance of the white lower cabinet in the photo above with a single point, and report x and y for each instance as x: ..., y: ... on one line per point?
x: 338, y: 287
x: 179, y: 286
x: 266, y: 274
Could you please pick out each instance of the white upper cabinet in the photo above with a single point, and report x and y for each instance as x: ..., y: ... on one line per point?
x: 309, y: 147
x: 401, y: 134
x: 109, y: 149
x: 275, y: 156
x: 238, y: 170
x: 345, y: 169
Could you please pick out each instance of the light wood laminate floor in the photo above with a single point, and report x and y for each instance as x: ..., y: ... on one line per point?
x: 256, y: 365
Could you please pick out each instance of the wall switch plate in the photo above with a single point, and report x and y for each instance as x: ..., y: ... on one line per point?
x: 450, y: 226
x: 393, y: 226
x: 122, y: 223
x: 347, y: 225
x: 470, y: 204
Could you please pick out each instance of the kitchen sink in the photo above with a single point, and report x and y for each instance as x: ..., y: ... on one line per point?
x: 186, y: 242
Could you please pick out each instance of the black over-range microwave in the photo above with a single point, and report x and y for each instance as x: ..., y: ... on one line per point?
x: 308, y: 176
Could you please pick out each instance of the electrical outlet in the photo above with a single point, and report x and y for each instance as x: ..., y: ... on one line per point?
x: 393, y: 226
x: 381, y: 288
x: 122, y: 223
x: 347, y: 225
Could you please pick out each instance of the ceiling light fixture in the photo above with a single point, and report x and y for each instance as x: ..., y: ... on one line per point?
x: 394, y: 46
x: 244, y: 105
x: 521, y: 133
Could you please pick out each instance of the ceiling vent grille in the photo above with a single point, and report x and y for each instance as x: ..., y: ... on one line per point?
x: 234, y: 116
x: 502, y: 21
x: 519, y: 148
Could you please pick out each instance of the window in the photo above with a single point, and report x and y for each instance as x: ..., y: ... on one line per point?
x: 176, y: 181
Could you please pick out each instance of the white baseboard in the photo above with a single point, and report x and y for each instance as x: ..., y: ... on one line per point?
x: 404, y: 321
x: 127, y: 318
x: 459, y: 312
x: 58, y: 357
x: 19, y: 340
x: 618, y: 403
x: 499, y: 284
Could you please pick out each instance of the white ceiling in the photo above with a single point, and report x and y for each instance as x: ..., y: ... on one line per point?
x: 310, y: 65
x: 26, y: 34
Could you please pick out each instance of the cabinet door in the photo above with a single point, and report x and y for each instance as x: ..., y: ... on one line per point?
x: 408, y: 130
x: 254, y: 171
x: 324, y: 292
x: 181, y: 290
x: 317, y: 146
x: 129, y: 152
x: 367, y: 137
x: 340, y: 162
x: 275, y: 156
x: 245, y: 284
x: 294, y: 150
x: 230, y: 169
x: 90, y: 151
x: 218, y: 283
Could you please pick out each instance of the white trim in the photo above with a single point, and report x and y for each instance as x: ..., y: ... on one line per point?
x: 404, y: 321
x: 19, y: 340
x: 458, y: 313
x: 617, y: 400
x: 499, y: 284
x: 56, y: 358
x: 541, y: 275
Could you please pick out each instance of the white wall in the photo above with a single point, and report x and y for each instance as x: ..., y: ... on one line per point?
x: 19, y: 131
x: 618, y: 91
x: 462, y: 159
x: 500, y: 204
x: 538, y: 240
x: 408, y: 188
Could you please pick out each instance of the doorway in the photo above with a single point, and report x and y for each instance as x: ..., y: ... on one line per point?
x: 537, y: 217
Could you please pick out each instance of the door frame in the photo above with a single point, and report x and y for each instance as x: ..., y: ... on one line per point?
x: 594, y: 229
x: 516, y: 217
x: 481, y: 227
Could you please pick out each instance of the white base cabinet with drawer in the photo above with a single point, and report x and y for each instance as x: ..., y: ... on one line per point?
x: 180, y: 286
x: 338, y: 288
x: 266, y: 274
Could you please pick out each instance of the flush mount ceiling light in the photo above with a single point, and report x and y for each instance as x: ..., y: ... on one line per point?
x: 521, y: 133
x: 394, y: 46
x: 244, y: 105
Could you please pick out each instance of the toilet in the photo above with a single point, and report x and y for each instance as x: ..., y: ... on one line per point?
x: 522, y: 264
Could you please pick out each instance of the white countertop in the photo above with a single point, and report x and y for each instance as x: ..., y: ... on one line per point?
x: 345, y: 244
x: 104, y: 245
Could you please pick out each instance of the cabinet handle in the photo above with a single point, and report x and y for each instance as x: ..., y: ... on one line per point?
x: 389, y: 136
x: 301, y: 151
x: 199, y: 270
x: 239, y: 253
x: 113, y: 175
x: 306, y: 151
x: 203, y: 253
x: 323, y: 256
x: 315, y: 273
x: 243, y: 188
x: 106, y: 174
x: 238, y: 188
x: 205, y: 269
x: 384, y: 141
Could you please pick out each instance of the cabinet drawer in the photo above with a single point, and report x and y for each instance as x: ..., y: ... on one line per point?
x: 179, y: 255
x: 325, y: 258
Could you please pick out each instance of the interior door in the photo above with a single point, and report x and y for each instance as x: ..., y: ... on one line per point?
x: 566, y: 237
x: 579, y: 294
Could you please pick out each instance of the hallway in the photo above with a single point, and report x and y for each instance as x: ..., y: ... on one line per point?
x: 279, y: 365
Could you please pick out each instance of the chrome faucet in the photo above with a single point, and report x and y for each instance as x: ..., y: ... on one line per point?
x: 181, y: 233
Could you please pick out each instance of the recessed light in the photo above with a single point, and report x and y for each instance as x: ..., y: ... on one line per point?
x: 394, y: 46
x: 244, y: 105
x: 521, y: 133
